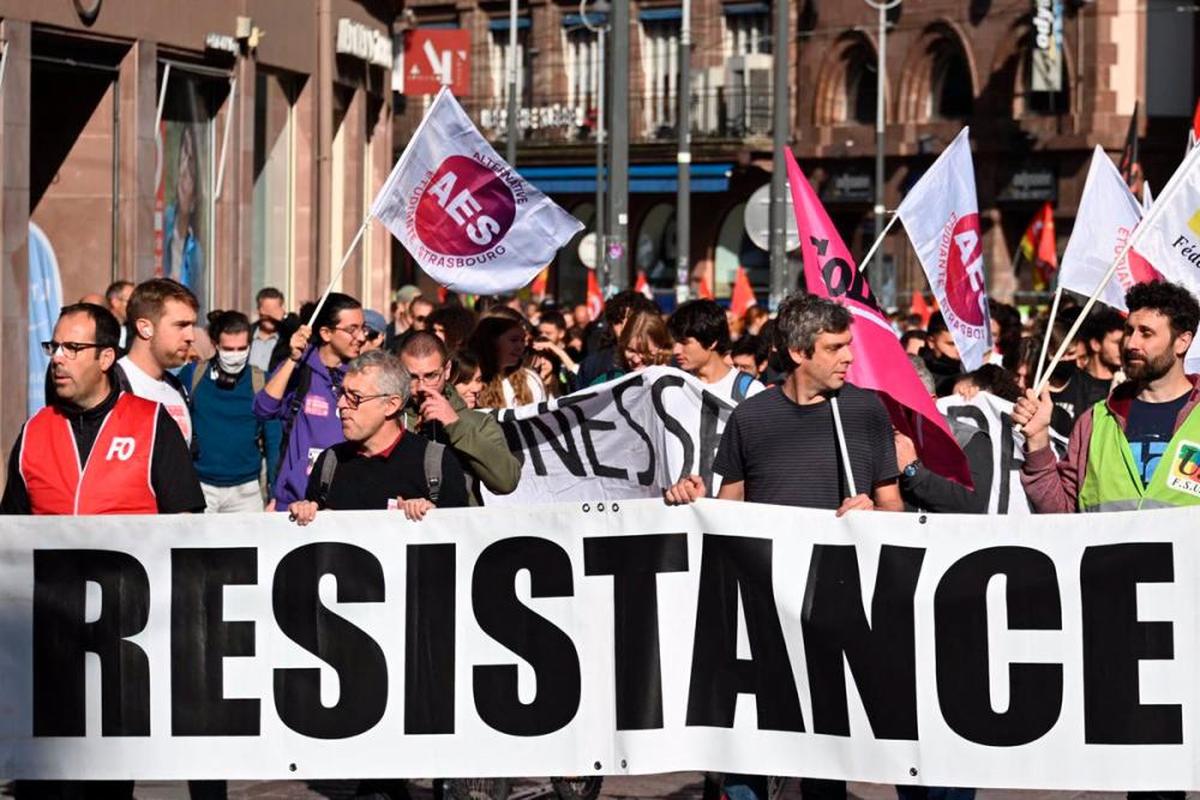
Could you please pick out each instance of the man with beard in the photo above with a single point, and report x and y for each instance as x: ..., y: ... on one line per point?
x: 1136, y: 449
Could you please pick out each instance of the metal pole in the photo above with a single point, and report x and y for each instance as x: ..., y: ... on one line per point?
x: 880, y: 132
x: 600, y: 128
x: 780, y: 280
x: 513, y: 106
x: 683, y: 197
x: 618, y: 161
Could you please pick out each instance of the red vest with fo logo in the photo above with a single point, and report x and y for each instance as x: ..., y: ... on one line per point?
x: 116, y: 477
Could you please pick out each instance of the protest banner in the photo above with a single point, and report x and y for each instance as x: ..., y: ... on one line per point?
x: 631, y: 437
x: 605, y: 638
x: 941, y: 215
x: 471, y: 222
x: 993, y: 415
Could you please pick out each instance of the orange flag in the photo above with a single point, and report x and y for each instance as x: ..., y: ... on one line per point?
x: 706, y: 291
x: 743, y: 293
x: 642, y: 285
x: 1039, y: 246
x: 538, y: 287
x: 595, y: 300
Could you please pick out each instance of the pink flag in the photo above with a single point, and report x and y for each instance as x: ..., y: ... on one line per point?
x: 880, y: 363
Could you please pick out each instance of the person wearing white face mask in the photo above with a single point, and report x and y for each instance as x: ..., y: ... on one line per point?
x: 228, y: 435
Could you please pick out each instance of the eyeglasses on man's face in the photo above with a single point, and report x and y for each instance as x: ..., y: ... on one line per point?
x: 353, y: 399
x: 353, y: 331
x: 69, y: 349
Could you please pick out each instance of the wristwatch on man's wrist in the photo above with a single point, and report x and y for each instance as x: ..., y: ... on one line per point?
x: 910, y: 471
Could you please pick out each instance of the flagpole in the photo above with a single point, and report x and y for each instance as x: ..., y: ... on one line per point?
x: 862, y: 265
x: 1163, y: 201
x: 341, y: 268
x: 1049, y: 330
x: 841, y: 437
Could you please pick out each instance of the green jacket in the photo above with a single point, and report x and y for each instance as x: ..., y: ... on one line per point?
x: 477, y: 440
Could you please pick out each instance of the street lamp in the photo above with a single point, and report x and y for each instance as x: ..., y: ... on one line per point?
x: 880, y: 95
x: 600, y: 7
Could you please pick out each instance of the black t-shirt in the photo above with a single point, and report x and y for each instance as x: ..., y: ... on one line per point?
x: 1149, y: 430
x: 172, y: 476
x: 788, y: 454
x: 362, y: 482
x: 1081, y: 393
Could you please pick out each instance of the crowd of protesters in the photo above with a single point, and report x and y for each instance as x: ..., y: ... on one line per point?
x: 150, y: 412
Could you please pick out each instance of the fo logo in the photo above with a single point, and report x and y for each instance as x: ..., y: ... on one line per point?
x: 121, y: 448
x: 965, y: 292
x: 465, y: 210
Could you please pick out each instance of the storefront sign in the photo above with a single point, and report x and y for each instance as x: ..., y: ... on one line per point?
x: 848, y: 187
x: 1046, y: 58
x: 554, y: 116
x: 1031, y: 183
x: 223, y: 42
x: 434, y: 57
x: 364, y: 42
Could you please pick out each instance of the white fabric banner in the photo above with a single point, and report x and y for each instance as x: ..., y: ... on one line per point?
x: 631, y: 437
x: 993, y: 415
x: 471, y: 222
x: 1108, y: 215
x: 941, y: 215
x: 605, y: 638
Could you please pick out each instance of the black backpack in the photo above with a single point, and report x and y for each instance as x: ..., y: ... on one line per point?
x: 433, y: 472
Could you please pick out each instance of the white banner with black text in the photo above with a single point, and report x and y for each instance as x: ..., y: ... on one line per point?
x: 605, y: 638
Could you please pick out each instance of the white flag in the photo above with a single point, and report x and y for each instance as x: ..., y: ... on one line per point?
x: 1108, y: 214
x: 941, y: 215
x: 471, y: 222
x: 1147, y: 196
x: 1169, y: 236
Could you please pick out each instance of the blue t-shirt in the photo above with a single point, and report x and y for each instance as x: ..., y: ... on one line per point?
x: 1149, y: 431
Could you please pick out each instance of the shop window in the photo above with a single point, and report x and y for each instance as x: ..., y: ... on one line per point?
x: 951, y: 93
x: 660, y: 70
x: 185, y: 207
x: 273, y: 250
x: 498, y: 52
x: 655, y: 254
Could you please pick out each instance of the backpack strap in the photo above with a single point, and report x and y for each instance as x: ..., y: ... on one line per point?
x: 433, y: 469
x: 741, y: 385
x: 197, y: 376
x: 329, y: 465
x: 303, y: 382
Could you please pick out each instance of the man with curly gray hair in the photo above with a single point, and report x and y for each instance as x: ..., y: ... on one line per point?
x: 379, y: 465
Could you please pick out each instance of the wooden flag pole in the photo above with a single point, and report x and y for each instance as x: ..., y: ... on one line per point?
x: 1049, y: 330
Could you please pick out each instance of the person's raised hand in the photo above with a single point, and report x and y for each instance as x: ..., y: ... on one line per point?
x: 687, y: 490
x: 299, y: 341
x: 860, y: 502
x: 1032, y: 414
x: 435, y: 407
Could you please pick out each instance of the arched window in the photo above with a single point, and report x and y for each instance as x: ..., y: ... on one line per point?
x: 861, y: 86
x: 951, y: 94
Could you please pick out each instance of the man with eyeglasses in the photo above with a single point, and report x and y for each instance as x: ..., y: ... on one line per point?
x: 436, y: 411
x: 380, y: 465
x: 95, y: 449
x: 301, y: 392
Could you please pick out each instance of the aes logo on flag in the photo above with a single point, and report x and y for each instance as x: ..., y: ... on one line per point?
x: 960, y: 278
x: 471, y: 222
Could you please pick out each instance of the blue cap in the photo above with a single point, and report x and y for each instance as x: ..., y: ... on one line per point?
x: 374, y: 320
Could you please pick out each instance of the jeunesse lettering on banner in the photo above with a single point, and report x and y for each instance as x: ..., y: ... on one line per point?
x: 604, y: 637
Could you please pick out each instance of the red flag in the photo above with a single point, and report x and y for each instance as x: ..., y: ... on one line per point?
x: 920, y: 306
x: 743, y: 293
x: 595, y: 300
x: 706, y: 291
x: 1039, y: 246
x: 642, y: 285
x: 1194, y: 135
x: 879, y: 362
x: 538, y: 287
